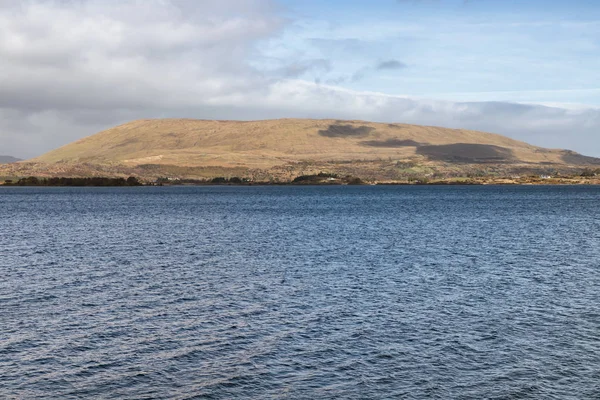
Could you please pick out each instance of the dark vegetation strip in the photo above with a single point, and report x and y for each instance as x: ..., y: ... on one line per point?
x: 94, y: 181
x: 322, y: 178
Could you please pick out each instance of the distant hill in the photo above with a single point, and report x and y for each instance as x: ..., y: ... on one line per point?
x: 288, y: 147
x: 8, y: 159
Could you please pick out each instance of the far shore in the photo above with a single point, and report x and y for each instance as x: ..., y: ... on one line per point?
x: 322, y: 179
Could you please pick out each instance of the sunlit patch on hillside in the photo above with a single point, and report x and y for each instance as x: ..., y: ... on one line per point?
x: 144, y: 160
x: 391, y: 143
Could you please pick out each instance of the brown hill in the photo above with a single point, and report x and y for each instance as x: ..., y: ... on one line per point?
x: 283, y: 148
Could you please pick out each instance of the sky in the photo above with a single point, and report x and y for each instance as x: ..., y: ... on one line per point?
x: 527, y: 69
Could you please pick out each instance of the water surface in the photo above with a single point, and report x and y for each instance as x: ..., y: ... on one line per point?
x: 300, y: 292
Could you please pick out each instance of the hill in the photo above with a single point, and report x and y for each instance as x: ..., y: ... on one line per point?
x: 8, y: 159
x: 289, y: 147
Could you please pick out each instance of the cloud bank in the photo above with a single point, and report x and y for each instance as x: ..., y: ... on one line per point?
x: 72, y: 68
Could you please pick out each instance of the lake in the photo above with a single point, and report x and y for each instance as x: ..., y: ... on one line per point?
x: 270, y: 292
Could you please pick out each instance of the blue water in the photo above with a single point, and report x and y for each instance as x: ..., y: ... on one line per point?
x: 300, y: 292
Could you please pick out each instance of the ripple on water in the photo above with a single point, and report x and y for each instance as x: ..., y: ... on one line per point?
x: 312, y: 292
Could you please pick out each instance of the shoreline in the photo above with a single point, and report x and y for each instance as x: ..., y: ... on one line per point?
x: 129, y: 182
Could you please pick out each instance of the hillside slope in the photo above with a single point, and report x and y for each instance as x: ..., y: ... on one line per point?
x: 280, y: 150
x: 264, y: 144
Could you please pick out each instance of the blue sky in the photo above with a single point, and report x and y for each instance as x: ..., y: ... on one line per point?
x: 526, y: 51
x: 525, y: 69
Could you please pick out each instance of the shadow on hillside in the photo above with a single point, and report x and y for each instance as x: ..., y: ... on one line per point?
x: 570, y: 157
x: 467, y: 153
x: 346, y: 131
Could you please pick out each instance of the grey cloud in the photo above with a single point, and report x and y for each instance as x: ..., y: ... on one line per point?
x: 337, y: 80
x: 364, y: 72
x: 358, y: 75
x: 299, y: 68
x: 390, y: 64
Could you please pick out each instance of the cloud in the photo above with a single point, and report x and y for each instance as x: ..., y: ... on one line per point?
x: 130, y: 56
x: 365, y: 72
x: 390, y: 64
x: 72, y: 68
x: 302, y: 67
